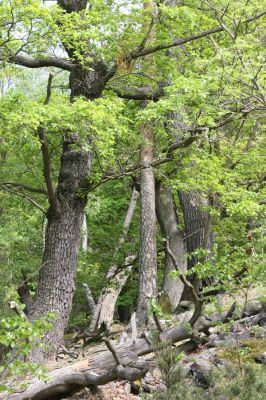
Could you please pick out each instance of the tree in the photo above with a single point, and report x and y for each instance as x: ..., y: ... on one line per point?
x: 167, y: 217
x: 94, y: 51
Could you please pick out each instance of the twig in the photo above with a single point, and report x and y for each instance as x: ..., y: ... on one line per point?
x: 157, y: 322
x: 113, y: 351
x: 24, y: 186
x: 23, y: 195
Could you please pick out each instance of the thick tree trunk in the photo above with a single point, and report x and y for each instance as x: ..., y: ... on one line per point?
x: 148, y: 252
x: 198, y: 226
x: 56, y: 277
x: 167, y: 218
x: 197, y: 223
x: 65, y: 215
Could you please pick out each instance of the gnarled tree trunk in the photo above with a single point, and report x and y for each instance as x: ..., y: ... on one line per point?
x: 56, y: 278
x: 167, y: 218
x: 121, y: 363
x: 67, y: 204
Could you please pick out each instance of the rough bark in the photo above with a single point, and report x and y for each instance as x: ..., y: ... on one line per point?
x: 167, y: 218
x: 198, y: 232
x: 148, y: 252
x: 65, y: 215
x: 56, y: 277
x: 120, y: 362
x: 62, y: 241
x: 198, y: 228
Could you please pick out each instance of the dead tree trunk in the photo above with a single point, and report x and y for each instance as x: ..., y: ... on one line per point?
x: 104, y: 310
x: 167, y: 218
x: 148, y: 251
x: 84, y: 234
x: 116, y: 276
x: 120, y: 362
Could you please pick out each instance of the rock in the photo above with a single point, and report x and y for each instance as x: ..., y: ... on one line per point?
x: 252, y: 309
x: 199, y: 375
x: 127, y: 388
x: 261, y: 358
x: 184, y: 316
x: 184, y: 305
x: 78, y: 345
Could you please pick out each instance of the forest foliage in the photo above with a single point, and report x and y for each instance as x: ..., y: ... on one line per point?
x: 206, y: 107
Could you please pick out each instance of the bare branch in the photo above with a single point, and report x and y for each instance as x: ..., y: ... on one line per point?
x: 14, y: 306
x: 25, y: 196
x: 89, y: 297
x: 146, y: 37
x: 24, y: 186
x: 112, y: 350
x: 48, y: 89
x: 157, y: 322
x: 29, y: 62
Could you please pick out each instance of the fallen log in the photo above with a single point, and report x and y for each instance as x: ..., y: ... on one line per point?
x: 101, y: 368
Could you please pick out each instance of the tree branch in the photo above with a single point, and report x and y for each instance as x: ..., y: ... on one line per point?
x: 47, y: 173
x: 139, y: 165
x: 25, y: 196
x: 136, y: 54
x: 24, y: 186
x: 113, y: 351
x: 137, y: 94
x: 89, y: 297
x: 29, y: 62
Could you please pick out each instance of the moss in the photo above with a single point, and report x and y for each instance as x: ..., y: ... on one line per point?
x: 256, y: 346
x: 246, y: 352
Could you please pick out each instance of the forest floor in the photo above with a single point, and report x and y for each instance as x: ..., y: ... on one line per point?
x: 118, y: 390
x: 204, y: 355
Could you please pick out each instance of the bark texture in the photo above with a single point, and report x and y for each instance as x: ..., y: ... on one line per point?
x: 67, y: 203
x: 167, y: 218
x: 197, y: 223
x: 148, y: 251
x: 56, y: 278
x: 198, y: 228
